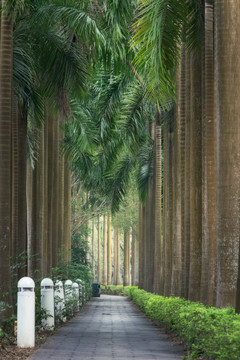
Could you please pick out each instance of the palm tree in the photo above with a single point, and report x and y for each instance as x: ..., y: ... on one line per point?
x: 109, y: 252
x: 228, y: 81
x: 6, y: 73
x: 209, y: 235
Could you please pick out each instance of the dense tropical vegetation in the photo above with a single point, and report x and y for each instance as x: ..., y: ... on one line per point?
x: 121, y: 115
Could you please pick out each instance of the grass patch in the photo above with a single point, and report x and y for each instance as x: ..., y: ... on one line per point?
x: 207, y: 331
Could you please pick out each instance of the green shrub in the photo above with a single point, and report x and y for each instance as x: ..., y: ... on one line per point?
x: 115, y: 290
x: 206, y: 330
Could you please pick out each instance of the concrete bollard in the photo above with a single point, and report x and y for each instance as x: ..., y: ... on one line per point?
x: 59, y: 299
x: 26, y: 313
x: 76, y: 296
x: 80, y: 291
x: 83, y: 292
x: 47, y: 303
x: 68, y: 296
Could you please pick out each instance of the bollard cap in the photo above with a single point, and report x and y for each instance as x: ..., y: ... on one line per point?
x: 68, y: 283
x: 46, y: 282
x: 26, y: 282
x: 75, y: 285
x: 58, y: 283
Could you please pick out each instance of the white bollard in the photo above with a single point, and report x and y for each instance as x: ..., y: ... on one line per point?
x: 26, y: 313
x: 47, y: 303
x: 68, y: 296
x: 76, y: 296
x: 80, y: 291
x: 68, y: 290
x: 83, y: 292
x: 59, y: 299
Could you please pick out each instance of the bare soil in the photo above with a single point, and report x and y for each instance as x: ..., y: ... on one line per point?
x: 10, y: 351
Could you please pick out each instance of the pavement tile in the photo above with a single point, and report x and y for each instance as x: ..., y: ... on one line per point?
x: 109, y: 328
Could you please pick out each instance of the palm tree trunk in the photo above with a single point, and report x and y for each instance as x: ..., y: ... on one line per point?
x: 158, y: 256
x: 177, y: 241
x: 61, y: 198
x: 46, y: 255
x: 183, y: 152
x: 15, y: 184
x: 119, y: 279
x: 168, y: 215
x: 186, y: 180
x: 135, y: 258
x: 109, y: 252
x: 67, y: 211
x: 55, y: 193
x: 50, y: 185
x: 6, y: 74
x: 105, y: 250
x: 38, y: 210
x: 228, y: 152
x: 99, y: 250
x: 126, y: 258
x: 209, y: 236
x: 195, y: 179
x: 141, y: 244
x: 22, y: 203
x: 93, y: 251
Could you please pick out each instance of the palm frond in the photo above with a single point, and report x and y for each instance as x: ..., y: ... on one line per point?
x: 157, y: 34
x: 72, y: 16
x: 145, y: 169
x: 117, y: 186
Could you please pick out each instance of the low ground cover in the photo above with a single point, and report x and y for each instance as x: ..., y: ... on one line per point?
x: 208, y: 332
x: 115, y: 290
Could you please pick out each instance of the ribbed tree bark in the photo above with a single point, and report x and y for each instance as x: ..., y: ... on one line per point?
x: 119, y: 278
x: 22, y: 203
x: 158, y: 256
x: 61, y: 197
x: 67, y: 211
x: 115, y: 259
x: 105, y: 250
x: 209, y: 235
x: 186, y: 181
x: 141, y: 216
x: 29, y: 195
x: 15, y: 184
x: 88, y: 243
x: 37, y: 218
x: 99, y: 251
x: 6, y: 74
x: 228, y: 152
x: 168, y: 206
x: 183, y: 151
x: 177, y: 241
x: 55, y: 193
x: 46, y: 255
x: 93, y: 251
x: 50, y: 185
x: 135, y: 258
x: 126, y: 281
x: 109, y: 252
x: 195, y: 179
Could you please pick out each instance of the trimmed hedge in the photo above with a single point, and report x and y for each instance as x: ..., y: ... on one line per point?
x: 115, y: 290
x: 207, y: 331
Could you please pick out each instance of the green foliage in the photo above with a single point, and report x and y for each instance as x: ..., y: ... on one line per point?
x: 115, y: 290
x: 207, y: 331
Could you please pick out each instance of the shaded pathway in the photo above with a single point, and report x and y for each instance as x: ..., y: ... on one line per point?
x: 109, y: 327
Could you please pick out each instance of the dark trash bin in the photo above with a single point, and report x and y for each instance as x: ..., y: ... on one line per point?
x: 96, y: 289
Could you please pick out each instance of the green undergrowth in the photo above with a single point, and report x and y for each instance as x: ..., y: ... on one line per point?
x: 208, y: 332
x: 115, y: 290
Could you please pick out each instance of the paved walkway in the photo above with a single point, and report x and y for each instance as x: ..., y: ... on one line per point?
x: 109, y: 327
